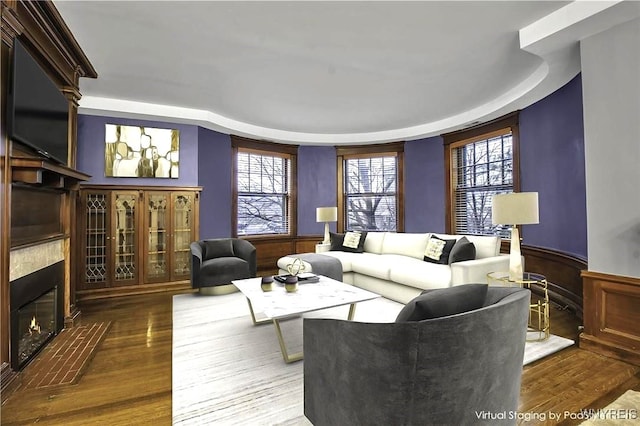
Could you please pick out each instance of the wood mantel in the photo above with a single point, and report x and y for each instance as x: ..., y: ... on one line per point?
x: 38, y: 171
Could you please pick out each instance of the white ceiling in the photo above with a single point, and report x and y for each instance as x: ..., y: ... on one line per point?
x: 329, y: 72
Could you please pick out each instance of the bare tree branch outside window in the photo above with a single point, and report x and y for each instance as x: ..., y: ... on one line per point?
x: 482, y: 169
x: 263, y: 194
x: 370, y: 190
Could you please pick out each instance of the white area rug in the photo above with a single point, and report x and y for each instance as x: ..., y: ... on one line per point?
x: 227, y: 371
x: 534, y: 351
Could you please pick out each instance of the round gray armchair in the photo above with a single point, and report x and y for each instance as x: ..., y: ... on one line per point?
x: 215, y: 262
x: 459, y: 369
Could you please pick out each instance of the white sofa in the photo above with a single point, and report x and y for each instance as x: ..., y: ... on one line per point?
x: 392, y: 264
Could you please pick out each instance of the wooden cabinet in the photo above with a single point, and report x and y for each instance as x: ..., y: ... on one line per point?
x: 169, y: 218
x: 135, y: 237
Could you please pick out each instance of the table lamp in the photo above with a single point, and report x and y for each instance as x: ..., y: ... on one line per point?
x: 515, y: 208
x: 326, y: 215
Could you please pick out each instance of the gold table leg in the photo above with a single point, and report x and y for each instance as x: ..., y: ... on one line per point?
x: 541, y: 309
x: 289, y: 358
x: 253, y: 315
x: 352, y: 311
x: 283, y: 348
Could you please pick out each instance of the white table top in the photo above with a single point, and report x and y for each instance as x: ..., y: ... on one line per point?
x: 277, y: 303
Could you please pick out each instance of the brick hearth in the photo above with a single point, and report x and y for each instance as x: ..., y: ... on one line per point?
x: 64, y: 360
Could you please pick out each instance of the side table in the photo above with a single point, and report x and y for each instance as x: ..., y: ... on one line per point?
x: 538, y: 310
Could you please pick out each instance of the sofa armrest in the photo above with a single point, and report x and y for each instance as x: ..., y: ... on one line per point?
x: 475, y: 271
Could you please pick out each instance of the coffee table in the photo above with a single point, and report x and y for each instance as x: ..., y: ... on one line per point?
x: 277, y: 304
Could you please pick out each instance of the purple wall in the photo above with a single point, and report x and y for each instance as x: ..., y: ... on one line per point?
x: 214, y: 175
x: 552, y: 162
x: 317, y: 186
x: 91, y: 135
x: 424, y: 185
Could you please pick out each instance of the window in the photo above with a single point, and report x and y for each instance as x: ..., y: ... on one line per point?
x: 370, y: 194
x: 264, y: 200
x: 482, y: 162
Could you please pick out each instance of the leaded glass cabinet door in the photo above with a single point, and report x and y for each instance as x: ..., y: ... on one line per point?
x: 95, y: 247
x: 124, y: 238
x: 157, y: 228
x: 183, y: 233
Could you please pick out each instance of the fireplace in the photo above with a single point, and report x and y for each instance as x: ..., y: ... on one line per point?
x: 37, y: 312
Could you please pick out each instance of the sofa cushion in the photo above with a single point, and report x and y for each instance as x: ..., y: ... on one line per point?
x: 345, y: 257
x: 437, y: 250
x: 408, y: 244
x: 462, y: 250
x: 486, y: 245
x: 419, y: 274
x: 374, y: 265
x: 444, y: 302
x: 352, y: 241
x: 222, y: 270
x: 373, y: 243
x: 218, y: 248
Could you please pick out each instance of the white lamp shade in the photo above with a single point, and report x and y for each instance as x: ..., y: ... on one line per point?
x: 326, y: 214
x: 515, y: 208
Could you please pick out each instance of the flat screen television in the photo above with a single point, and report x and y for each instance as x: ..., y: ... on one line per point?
x: 38, y: 112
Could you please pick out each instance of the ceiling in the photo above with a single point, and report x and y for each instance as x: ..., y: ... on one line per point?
x: 327, y: 72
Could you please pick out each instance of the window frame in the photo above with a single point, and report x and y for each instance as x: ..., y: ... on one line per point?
x: 395, y: 149
x: 289, y: 152
x: 454, y: 140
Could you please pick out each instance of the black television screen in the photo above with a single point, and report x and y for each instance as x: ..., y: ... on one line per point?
x: 38, y: 111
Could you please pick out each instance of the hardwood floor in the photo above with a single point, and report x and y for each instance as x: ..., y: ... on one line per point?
x: 129, y: 379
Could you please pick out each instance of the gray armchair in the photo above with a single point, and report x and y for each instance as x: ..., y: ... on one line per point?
x: 215, y: 262
x: 461, y: 369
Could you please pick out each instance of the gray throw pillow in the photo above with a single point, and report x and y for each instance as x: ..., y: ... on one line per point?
x: 336, y: 241
x: 218, y: 248
x: 462, y: 250
x: 443, y: 302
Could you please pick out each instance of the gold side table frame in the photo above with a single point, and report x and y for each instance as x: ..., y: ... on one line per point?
x: 538, y: 310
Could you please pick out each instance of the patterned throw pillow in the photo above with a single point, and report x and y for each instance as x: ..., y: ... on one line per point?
x: 351, y: 241
x: 438, y: 250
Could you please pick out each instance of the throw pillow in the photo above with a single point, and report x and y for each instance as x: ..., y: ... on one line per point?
x: 218, y: 248
x: 438, y: 250
x: 462, y: 250
x: 352, y: 241
x: 443, y: 302
x: 336, y: 241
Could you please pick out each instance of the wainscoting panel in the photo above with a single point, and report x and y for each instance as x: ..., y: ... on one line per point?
x: 562, y: 272
x: 612, y: 315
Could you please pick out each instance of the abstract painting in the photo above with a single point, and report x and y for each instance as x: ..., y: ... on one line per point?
x: 137, y: 151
